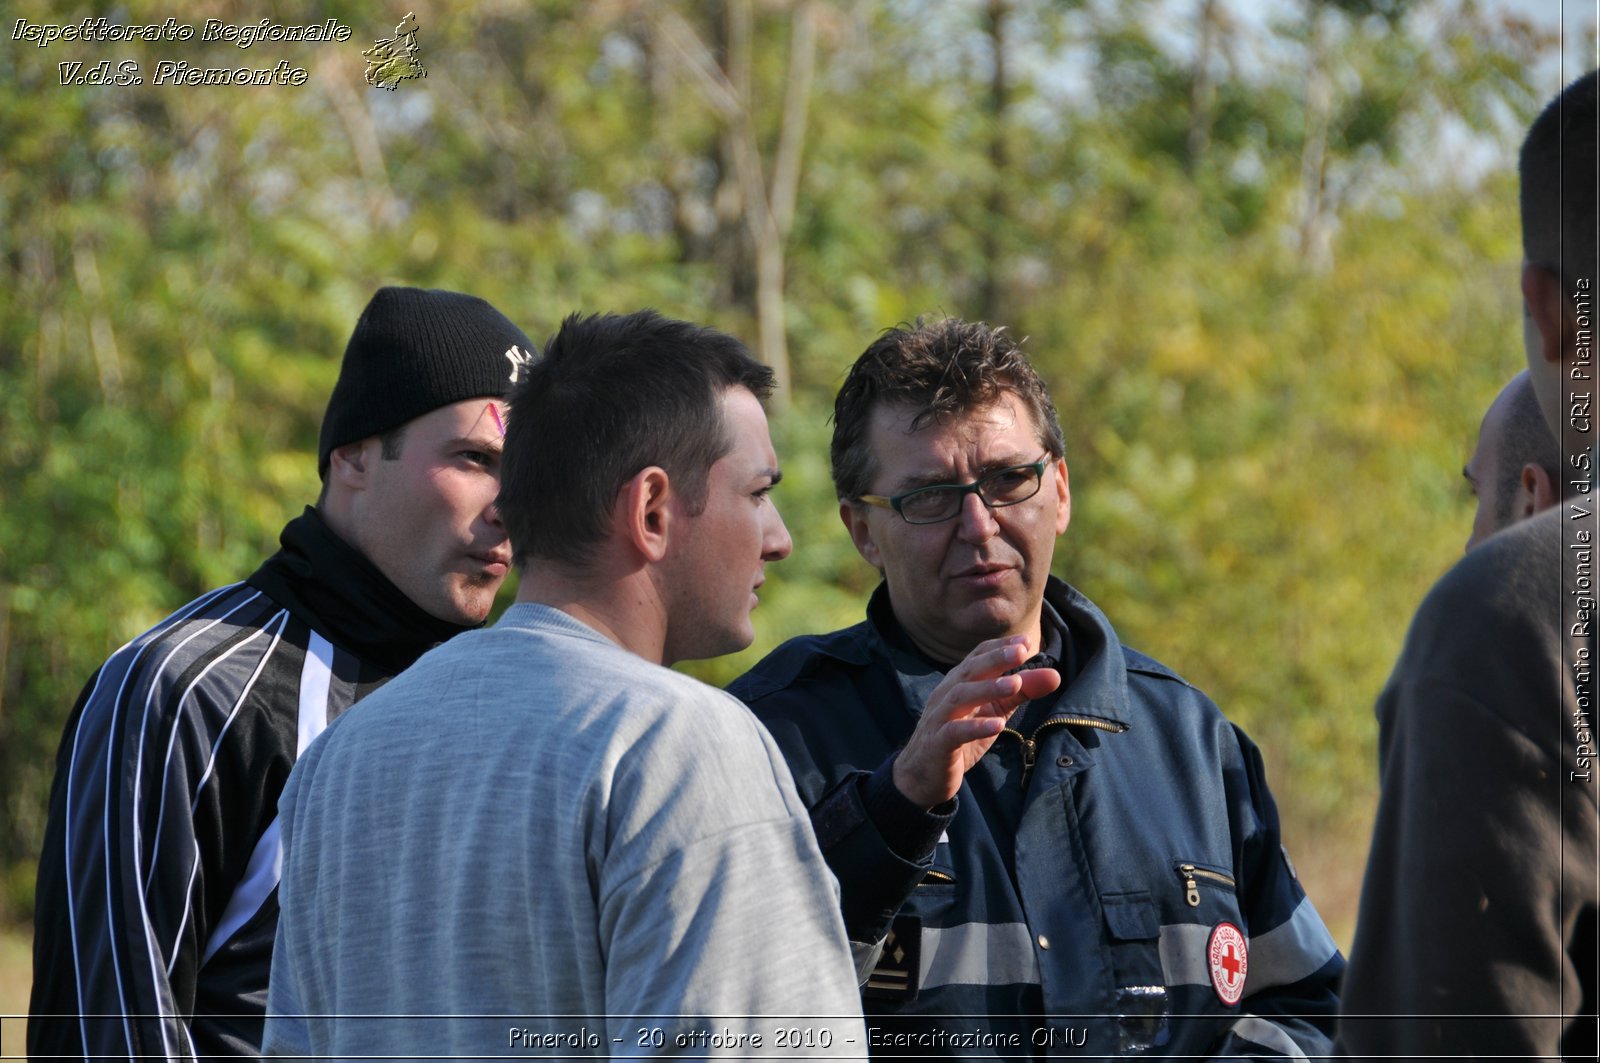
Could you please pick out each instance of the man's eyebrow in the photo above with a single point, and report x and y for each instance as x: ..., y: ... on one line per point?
x: 1467, y: 473
x: 493, y: 444
x: 947, y: 478
x: 774, y: 476
x: 916, y: 482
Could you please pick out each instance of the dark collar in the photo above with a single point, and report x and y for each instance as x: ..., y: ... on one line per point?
x: 1053, y: 631
x: 331, y: 586
x: 919, y: 674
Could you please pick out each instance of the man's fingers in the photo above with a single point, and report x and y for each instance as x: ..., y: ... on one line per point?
x: 991, y: 658
x: 972, y: 729
x: 988, y: 660
x: 1037, y: 682
x: 1000, y: 697
x: 982, y: 697
x: 963, y: 715
x: 990, y: 697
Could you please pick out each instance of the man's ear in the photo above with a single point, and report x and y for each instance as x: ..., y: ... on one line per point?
x: 348, y: 465
x: 1063, y: 494
x: 644, y: 512
x: 1541, y: 294
x: 854, y: 515
x: 1536, y: 491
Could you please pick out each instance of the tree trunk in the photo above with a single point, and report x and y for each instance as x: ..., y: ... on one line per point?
x: 1202, y: 89
x: 1315, y: 243
x: 767, y: 212
x: 996, y: 205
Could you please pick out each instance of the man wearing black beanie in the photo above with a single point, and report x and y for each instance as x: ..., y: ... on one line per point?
x: 157, y: 893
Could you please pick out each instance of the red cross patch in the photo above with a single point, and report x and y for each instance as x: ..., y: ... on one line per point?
x: 1230, y: 962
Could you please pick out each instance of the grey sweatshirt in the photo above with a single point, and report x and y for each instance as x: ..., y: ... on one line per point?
x: 535, y: 843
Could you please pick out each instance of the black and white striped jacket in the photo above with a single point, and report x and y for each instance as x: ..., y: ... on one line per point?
x: 157, y: 896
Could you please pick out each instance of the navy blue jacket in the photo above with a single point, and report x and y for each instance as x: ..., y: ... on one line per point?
x: 1072, y: 904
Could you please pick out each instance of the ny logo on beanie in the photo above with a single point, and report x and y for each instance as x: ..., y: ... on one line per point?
x: 519, y: 359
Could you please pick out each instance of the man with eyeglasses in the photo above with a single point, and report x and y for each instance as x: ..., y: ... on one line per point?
x: 1059, y: 846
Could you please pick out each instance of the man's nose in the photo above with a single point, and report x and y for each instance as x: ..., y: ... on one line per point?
x: 776, y: 544
x: 976, y: 521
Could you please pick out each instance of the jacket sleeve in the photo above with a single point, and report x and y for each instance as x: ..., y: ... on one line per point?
x: 113, y: 958
x: 876, y: 844
x: 133, y: 871
x: 1291, y: 1000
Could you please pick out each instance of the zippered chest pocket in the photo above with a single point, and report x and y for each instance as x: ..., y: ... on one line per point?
x: 1197, y: 877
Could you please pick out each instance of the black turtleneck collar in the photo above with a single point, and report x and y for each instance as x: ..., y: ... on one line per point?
x: 330, y: 585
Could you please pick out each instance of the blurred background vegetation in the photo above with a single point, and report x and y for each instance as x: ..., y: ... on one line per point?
x: 1264, y: 250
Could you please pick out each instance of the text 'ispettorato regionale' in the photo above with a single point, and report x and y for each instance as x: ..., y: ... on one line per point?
x: 178, y: 72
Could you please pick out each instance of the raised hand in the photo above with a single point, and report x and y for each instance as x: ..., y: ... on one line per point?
x: 963, y: 716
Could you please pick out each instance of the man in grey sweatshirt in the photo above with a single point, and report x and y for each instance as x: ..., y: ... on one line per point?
x: 539, y: 840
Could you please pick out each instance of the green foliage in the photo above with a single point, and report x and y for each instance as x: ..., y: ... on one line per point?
x: 1264, y: 444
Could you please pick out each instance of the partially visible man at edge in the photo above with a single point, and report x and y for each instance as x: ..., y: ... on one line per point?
x: 1065, y: 848
x: 1515, y: 470
x: 1477, y: 930
x: 596, y: 852
x: 157, y: 893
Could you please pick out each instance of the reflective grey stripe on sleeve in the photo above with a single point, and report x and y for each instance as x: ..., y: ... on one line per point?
x: 1287, y: 953
x: 1255, y: 1029
x: 978, y: 954
x: 266, y: 860
x: 1281, y: 956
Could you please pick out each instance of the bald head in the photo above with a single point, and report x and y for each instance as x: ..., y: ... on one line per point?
x: 1514, y: 469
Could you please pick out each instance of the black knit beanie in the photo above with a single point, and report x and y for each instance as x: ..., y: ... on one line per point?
x: 413, y: 351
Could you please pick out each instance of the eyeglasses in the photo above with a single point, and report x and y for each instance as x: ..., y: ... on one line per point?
x: 940, y: 502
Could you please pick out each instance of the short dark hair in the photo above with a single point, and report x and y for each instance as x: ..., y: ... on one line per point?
x: 614, y: 394
x: 392, y: 443
x: 1557, y: 170
x: 1524, y: 437
x: 943, y: 368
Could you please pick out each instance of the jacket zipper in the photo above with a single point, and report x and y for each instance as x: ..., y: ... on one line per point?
x: 1191, y: 887
x: 1030, y: 747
